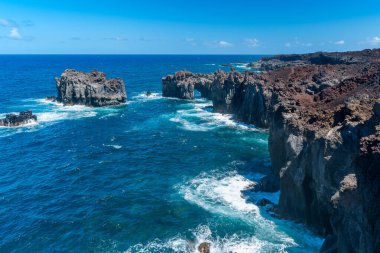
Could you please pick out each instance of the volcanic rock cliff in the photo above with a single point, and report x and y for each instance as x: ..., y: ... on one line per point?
x: 90, y: 89
x: 324, y: 140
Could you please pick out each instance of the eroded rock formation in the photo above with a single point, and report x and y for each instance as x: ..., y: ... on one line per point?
x: 324, y: 132
x: 90, y: 89
x: 14, y: 120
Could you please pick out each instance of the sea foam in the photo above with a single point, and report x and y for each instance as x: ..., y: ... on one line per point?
x: 222, y: 193
x: 237, y: 243
x: 144, y: 96
x: 198, y: 117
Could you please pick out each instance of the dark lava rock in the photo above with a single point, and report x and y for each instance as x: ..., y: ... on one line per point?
x: 182, y: 84
x: 330, y: 245
x: 90, y: 89
x: 13, y: 120
x: 204, y: 247
x: 51, y: 98
x: 264, y: 202
x: 270, y: 183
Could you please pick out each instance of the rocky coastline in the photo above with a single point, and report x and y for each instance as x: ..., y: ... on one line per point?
x: 323, y: 115
x: 14, y: 120
x: 90, y: 89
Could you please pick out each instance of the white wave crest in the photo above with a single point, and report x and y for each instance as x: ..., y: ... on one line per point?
x: 242, y: 66
x: 145, y: 96
x: 242, y: 243
x: 113, y: 146
x: 49, y: 112
x: 196, y: 117
x: 222, y: 193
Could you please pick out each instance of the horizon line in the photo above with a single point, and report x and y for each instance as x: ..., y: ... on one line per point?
x: 182, y: 54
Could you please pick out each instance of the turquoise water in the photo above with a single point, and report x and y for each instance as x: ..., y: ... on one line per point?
x: 155, y: 175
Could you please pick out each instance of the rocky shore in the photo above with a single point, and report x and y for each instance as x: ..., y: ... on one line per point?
x: 90, y: 89
x: 319, y: 58
x: 323, y: 115
x: 14, y: 120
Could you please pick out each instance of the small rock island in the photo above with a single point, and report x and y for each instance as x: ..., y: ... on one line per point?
x: 89, y: 89
x: 14, y: 120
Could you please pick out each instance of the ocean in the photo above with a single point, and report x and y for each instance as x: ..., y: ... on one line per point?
x: 155, y: 175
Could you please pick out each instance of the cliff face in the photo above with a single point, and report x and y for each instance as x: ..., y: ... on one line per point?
x: 182, y: 84
x: 90, y: 89
x: 324, y: 128
x: 314, y: 144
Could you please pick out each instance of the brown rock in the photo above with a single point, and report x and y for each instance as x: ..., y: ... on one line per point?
x: 204, y: 247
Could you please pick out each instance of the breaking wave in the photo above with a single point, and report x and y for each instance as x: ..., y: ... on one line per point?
x: 198, y: 117
x: 49, y: 112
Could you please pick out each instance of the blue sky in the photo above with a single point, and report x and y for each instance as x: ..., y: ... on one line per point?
x: 187, y: 27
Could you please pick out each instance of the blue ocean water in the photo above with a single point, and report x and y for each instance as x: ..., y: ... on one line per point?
x: 156, y: 175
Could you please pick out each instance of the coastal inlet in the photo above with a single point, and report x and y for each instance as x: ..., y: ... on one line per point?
x: 154, y: 175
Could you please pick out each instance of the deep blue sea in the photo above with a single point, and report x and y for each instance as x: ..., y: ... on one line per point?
x: 155, y: 175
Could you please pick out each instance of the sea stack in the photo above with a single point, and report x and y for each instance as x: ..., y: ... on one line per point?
x: 14, y: 120
x: 90, y: 89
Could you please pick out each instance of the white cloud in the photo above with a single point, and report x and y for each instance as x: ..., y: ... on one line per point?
x: 374, y: 41
x: 252, y: 42
x: 339, y: 42
x: 15, y: 34
x: 5, y: 22
x: 308, y: 44
x: 191, y: 41
x: 116, y: 38
x: 224, y: 44
x: 298, y: 43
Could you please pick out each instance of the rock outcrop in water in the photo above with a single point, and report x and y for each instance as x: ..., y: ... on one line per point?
x: 90, y: 89
x: 324, y: 139
x: 14, y: 120
x: 182, y: 84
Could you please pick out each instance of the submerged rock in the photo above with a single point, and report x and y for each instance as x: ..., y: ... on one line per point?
x: 204, y: 247
x: 269, y: 183
x: 264, y: 202
x: 13, y: 120
x: 90, y: 89
x: 51, y: 98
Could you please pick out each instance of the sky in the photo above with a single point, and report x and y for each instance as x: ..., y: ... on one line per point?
x: 187, y: 27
